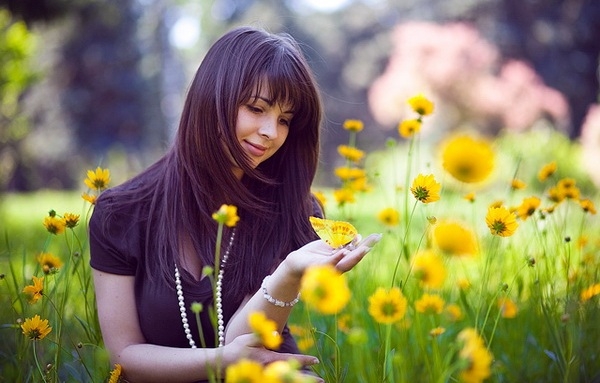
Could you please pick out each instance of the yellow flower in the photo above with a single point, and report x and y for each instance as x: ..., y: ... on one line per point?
x: 265, y: 329
x: 343, y: 323
x: 36, y: 290
x: 320, y: 196
x: 350, y: 153
x: 470, y: 197
x: 50, y: 263
x: 297, y: 330
x: 71, y: 220
x: 528, y: 207
x: 421, y: 105
x: 435, y: 332
x: 501, y: 222
x: 475, y: 355
x: 556, y: 195
x: 454, y: 238
x: 115, y: 374
x: 359, y: 185
x: 227, y: 214
x: 36, y: 328
x: 467, y: 159
x: 517, y: 184
x: 387, y: 306
x: 244, y: 371
x: 389, y: 216
x: 587, y: 206
x: 430, y: 304
x: 454, y: 312
x: 324, y: 289
x: 408, y: 128
x: 303, y: 337
x: 283, y: 371
x: 353, y: 125
x: 425, y: 188
x: 54, y: 224
x: 429, y: 268
x: 88, y: 197
x: 546, y: 171
x: 345, y: 173
x: 305, y: 343
x: 550, y: 209
x: 508, y: 308
x: 463, y: 284
x: 590, y: 292
x: 568, y: 189
x: 343, y: 196
x: 98, y: 179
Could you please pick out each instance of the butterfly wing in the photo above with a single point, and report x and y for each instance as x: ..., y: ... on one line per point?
x: 335, y: 233
x: 343, y: 233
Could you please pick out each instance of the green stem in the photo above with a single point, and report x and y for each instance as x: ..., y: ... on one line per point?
x: 37, y: 363
x: 202, y: 340
x: 407, y: 178
x: 512, y: 283
x: 216, y: 275
x: 404, y: 245
x: 483, y: 282
x: 336, y: 373
x: 386, y: 350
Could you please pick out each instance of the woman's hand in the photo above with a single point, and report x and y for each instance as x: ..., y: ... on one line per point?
x: 320, y: 253
x: 248, y: 346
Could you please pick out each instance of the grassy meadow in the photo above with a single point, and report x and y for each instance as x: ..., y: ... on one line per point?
x: 494, y: 280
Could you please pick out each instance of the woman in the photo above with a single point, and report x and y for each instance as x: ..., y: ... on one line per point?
x: 248, y: 137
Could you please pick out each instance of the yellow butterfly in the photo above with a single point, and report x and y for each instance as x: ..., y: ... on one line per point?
x: 335, y: 233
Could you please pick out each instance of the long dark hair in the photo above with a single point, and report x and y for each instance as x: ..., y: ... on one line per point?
x: 195, y: 176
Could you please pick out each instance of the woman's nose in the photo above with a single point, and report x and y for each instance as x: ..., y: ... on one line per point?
x: 268, y: 128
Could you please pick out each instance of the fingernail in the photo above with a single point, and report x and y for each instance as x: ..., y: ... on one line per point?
x: 315, y: 361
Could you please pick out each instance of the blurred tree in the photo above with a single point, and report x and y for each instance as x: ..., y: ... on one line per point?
x: 104, y: 69
x: 32, y: 11
x: 16, y: 76
x: 103, y: 88
x: 561, y: 38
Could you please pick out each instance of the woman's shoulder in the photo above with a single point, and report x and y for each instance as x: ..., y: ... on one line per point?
x: 134, y: 192
x: 127, y: 202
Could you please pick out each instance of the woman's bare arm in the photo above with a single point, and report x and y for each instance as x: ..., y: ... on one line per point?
x: 143, y: 362
x: 284, y: 283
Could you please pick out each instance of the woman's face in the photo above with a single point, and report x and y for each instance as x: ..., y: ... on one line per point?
x: 262, y: 127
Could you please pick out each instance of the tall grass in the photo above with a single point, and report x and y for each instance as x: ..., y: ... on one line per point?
x: 73, y: 350
x: 552, y: 335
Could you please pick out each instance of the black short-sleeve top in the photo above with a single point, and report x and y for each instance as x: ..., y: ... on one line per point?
x: 117, y: 246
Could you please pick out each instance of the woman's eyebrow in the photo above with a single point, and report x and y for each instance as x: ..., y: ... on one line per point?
x: 271, y: 103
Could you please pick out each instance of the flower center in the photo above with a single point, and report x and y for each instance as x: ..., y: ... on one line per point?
x: 389, y: 309
x: 498, y: 226
x: 421, y: 193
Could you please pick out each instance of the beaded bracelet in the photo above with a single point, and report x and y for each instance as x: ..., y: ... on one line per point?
x: 275, y: 301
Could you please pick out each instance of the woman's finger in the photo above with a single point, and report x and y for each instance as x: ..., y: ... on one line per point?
x: 352, y: 258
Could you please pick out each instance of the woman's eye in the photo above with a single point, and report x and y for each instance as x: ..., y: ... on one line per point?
x: 285, y: 122
x: 254, y: 109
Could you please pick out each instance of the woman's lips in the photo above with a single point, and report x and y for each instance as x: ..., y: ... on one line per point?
x: 255, y: 149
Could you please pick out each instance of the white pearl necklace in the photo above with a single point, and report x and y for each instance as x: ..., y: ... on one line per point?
x: 218, y: 299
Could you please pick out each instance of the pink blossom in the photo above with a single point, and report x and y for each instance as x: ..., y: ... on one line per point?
x: 463, y: 74
x: 590, y: 142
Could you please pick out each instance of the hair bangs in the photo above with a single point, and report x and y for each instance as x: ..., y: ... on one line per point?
x: 288, y: 85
